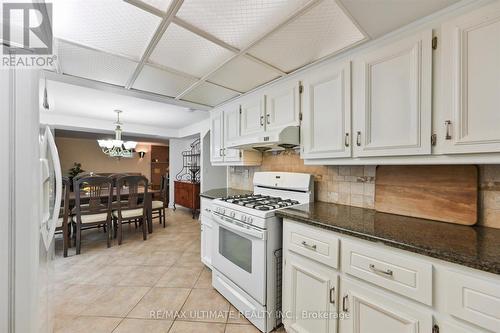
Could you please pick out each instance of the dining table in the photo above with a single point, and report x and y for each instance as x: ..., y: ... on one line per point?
x: 123, y: 194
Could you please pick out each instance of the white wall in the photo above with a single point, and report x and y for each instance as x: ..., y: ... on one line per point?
x: 177, y: 146
x: 211, y: 176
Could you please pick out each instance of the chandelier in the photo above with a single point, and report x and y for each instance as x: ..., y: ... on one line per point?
x: 117, y: 147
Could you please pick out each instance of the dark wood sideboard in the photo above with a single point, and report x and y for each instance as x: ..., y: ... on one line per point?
x: 187, y: 194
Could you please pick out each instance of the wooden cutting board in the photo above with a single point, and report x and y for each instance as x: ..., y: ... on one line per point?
x: 447, y: 193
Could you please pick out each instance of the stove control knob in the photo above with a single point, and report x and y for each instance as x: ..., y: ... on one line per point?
x: 233, y: 214
x: 222, y: 211
x: 243, y: 218
x: 250, y: 220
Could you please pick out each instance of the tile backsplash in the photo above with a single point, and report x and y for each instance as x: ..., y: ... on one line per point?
x: 355, y: 185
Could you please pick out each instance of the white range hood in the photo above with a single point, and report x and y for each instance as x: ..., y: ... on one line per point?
x: 288, y: 137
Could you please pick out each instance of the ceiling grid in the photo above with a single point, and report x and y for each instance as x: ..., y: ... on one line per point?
x: 200, y: 51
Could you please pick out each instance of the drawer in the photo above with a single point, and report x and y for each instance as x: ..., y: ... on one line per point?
x: 314, y: 243
x: 206, y: 206
x: 401, y: 274
x: 473, y: 299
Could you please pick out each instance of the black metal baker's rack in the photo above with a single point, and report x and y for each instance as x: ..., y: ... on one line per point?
x: 190, y: 164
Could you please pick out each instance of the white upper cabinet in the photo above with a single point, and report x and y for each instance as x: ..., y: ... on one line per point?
x: 369, y: 310
x: 216, y: 136
x: 253, y: 115
x: 326, y: 123
x: 282, y: 106
x: 224, y: 129
x: 231, y: 131
x: 470, y: 118
x: 392, y: 98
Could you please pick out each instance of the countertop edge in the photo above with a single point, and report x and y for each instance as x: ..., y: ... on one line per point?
x: 454, y: 258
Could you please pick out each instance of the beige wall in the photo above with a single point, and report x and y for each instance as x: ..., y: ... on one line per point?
x: 88, y: 153
x: 355, y: 185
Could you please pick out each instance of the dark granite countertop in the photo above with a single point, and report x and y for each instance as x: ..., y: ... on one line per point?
x: 476, y: 247
x: 223, y: 192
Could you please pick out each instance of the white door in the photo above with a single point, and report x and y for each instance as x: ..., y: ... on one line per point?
x: 253, y: 115
x: 470, y: 121
x: 309, y: 289
x: 206, y: 239
x: 326, y: 123
x: 216, y: 136
x: 283, y: 105
x: 392, y: 98
x: 231, y: 132
x: 367, y: 310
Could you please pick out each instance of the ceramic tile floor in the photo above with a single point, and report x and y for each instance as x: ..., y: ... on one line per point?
x: 139, y: 286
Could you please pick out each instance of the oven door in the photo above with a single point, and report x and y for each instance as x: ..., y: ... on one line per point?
x: 239, y: 253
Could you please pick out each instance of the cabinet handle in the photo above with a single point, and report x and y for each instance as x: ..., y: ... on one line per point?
x: 220, y: 152
x: 448, y: 125
x: 309, y: 246
x: 261, y: 120
x: 268, y: 119
x: 223, y: 151
x: 358, y: 139
x: 387, y: 272
x: 332, y: 295
x: 347, y: 140
x: 345, y: 300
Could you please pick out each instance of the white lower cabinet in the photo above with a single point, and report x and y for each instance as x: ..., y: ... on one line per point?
x: 206, y: 231
x: 368, y: 310
x: 206, y: 241
x: 310, y: 296
x: 379, y: 289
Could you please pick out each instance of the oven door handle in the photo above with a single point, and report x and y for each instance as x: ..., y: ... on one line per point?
x: 234, y: 227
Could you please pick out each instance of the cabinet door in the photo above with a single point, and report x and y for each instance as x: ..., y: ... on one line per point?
x: 392, y: 99
x: 453, y: 327
x: 326, y: 123
x: 231, y: 132
x: 470, y: 122
x: 252, y: 115
x: 282, y: 106
x: 309, y: 289
x: 367, y: 310
x: 206, y: 240
x: 216, y: 136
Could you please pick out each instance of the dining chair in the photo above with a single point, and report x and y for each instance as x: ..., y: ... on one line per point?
x: 98, y: 192
x: 63, y: 223
x: 131, y: 196
x: 158, y: 206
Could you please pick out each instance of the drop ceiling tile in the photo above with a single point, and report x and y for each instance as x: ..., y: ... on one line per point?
x: 209, y: 94
x: 162, y: 82
x: 187, y: 52
x: 159, y: 4
x: 238, y: 22
x: 111, y: 25
x: 243, y: 74
x: 322, y: 30
x: 90, y: 64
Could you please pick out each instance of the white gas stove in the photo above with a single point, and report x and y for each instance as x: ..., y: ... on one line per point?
x: 248, y: 241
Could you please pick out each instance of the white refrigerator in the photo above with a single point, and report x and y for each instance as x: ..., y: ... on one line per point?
x: 30, y: 197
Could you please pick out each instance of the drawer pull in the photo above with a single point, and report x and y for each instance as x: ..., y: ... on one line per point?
x: 345, y: 300
x: 309, y: 246
x: 358, y: 139
x: 387, y: 272
x: 332, y: 295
